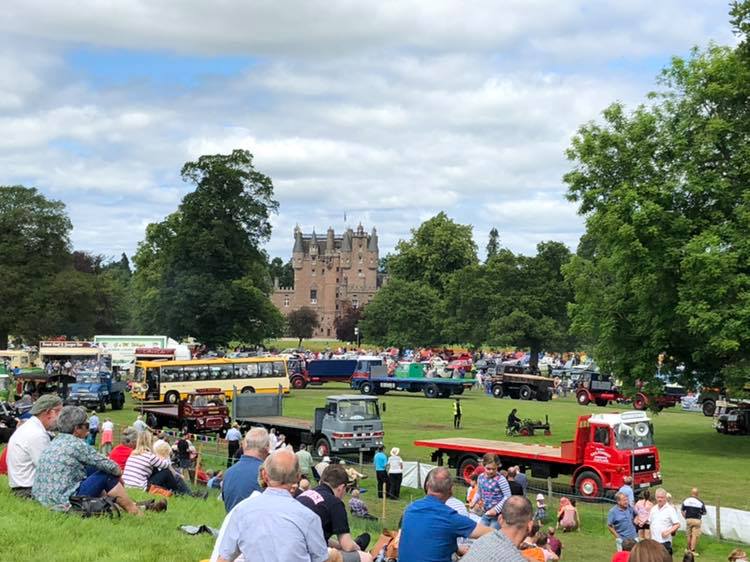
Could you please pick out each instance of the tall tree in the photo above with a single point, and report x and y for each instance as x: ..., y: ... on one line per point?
x: 301, y: 323
x: 436, y: 249
x: 347, y: 322
x: 493, y: 244
x: 666, y: 195
x: 282, y: 272
x: 34, y: 248
x: 201, y: 270
x: 403, y: 313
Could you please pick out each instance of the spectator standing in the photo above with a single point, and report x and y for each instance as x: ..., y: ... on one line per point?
x: 122, y: 452
x: 540, y: 515
x: 93, y: 428
x: 233, y: 438
x: 642, y: 510
x: 305, y: 461
x: 380, y: 461
x: 515, y: 488
x: 493, y: 489
x: 627, y: 489
x: 326, y: 502
x: 140, y: 425
x: 430, y: 528
x: 620, y: 520
x: 663, y: 520
x: 71, y: 467
x: 108, y: 430
x: 521, y: 479
x: 320, y: 468
x: 457, y: 413
x: 29, y: 441
x: 185, y: 451
x: 693, y: 509
x: 395, y: 473
x: 502, y: 545
x: 624, y: 554
x: 273, y: 522
x: 241, y: 479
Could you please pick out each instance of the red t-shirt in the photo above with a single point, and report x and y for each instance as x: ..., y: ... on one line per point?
x: 4, y: 461
x: 622, y: 556
x: 120, y: 455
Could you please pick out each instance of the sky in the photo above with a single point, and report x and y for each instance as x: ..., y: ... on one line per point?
x: 383, y: 113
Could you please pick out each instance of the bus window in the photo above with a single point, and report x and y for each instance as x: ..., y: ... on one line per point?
x: 278, y: 369
x: 248, y: 370
x: 216, y: 372
x: 190, y: 374
x: 170, y: 374
x: 266, y: 369
x: 227, y: 372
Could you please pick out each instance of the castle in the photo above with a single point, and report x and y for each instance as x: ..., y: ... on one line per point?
x: 330, y: 274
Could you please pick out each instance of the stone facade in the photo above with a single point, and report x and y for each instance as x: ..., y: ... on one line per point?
x: 329, y: 273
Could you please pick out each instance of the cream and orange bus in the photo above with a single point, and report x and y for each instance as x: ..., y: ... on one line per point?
x: 169, y: 381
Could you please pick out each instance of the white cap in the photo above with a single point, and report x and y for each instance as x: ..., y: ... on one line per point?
x: 326, y: 459
x: 540, y: 497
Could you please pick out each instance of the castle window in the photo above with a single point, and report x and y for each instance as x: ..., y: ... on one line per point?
x: 286, y: 300
x: 355, y: 302
x: 313, y: 296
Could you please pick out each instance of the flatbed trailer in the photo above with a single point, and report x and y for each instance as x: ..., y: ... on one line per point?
x: 377, y: 382
x: 203, y: 411
x: 606, y: 448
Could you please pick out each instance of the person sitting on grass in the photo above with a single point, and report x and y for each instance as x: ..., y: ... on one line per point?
x: 121, y: 453
x: 169, y: 478
x: 567, y: 516
x: 143, y: 463
x: 71, y: 467
x: 358, y: 507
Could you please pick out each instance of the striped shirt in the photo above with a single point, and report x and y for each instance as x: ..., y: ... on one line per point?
x: 138, y: 469
x: 494, y: 491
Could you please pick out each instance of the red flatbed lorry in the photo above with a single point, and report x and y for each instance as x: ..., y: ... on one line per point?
x: 606, y: 448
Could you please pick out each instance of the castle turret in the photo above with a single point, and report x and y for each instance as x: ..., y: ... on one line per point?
x: 298, y: 252
x: 314, y: 244
x: 346, y: 242
x: 330, y: 246
x: 372, y: 245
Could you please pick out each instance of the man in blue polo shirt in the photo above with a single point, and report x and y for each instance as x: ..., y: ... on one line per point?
x: 430, y: 528
x: 241, y: 479
x: 381, y: 462
x: 620, y: 520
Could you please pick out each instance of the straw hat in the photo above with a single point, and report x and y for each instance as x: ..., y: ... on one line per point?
x: 395, y: 451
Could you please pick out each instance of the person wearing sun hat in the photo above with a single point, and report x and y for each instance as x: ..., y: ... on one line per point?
x: 395, y: 473
x: 29, y: 441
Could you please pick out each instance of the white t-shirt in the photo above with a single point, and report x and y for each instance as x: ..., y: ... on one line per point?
x: 662, y: 519
x: 108, y: 426
x: 395, y: 464
x: 24, y: 449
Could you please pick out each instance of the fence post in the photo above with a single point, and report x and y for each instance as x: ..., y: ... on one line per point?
x: 197, y: 464
x: 718, y: 518
x: 384, y: 500
x: 549, y: 487
x: 361, y: 461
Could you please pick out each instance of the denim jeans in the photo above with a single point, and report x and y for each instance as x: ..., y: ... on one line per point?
x: 492, y: 522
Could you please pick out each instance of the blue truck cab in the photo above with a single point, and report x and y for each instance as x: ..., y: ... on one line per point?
x: 96, y: 389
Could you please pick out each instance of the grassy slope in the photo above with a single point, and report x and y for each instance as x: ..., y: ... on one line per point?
x: 692, y: 454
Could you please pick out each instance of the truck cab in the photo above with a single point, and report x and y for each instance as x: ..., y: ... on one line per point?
x: 597, y: 387
x: 365, y: 363
x: 348, y: 424
x: 204, y: 410
x: 96, y: 389
x: 608, y: 447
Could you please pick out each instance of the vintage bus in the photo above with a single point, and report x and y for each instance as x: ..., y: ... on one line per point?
x: 169, y: 381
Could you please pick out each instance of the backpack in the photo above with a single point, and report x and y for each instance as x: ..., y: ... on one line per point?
x: 86, y: 506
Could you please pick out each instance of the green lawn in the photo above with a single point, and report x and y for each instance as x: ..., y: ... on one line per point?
x: 692, y: 453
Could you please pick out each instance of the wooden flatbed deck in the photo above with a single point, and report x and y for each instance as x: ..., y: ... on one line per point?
x: 503, y: 448
x: 281, y: 421
x: 169, y: 411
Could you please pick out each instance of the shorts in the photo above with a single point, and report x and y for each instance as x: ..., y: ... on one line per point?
x: 96, y: 484
x: 643, y: 526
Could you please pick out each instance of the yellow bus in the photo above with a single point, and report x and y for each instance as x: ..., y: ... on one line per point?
x: 169, y: 381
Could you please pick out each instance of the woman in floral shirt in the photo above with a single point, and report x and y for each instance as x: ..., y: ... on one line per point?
x: 71, y: 467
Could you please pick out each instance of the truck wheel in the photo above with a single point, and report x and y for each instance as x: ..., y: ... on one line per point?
x: 525, y: 393
x: 323, y: 447
x: 445, y: 393
x: 466, y: 467
x: 544, y: 395
x: 640, y: 402
x: 102, y: 405
x: 172, y: 397
x: 709, y: 407
x: 248, y: 390
x: 366, y: 388
x: 525, y: 432
x: 497, y: 390
x: 588, y: 485
x: 601, y: 402
x: 583, y: 398
x: 298, y: 383
x: 431, y: 390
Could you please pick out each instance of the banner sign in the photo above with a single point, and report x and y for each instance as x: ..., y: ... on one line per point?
x: 65, y: 343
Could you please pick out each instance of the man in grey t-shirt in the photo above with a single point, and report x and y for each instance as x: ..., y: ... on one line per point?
x: 516, y: 522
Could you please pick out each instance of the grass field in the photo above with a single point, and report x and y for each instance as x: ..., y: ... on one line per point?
x: 692, y: 453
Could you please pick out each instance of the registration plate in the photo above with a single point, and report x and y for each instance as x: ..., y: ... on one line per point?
x: 387, y: 385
